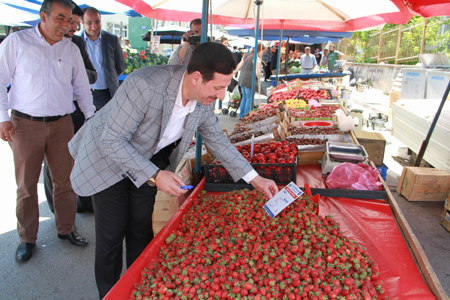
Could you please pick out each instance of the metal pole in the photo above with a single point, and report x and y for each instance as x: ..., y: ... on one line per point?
x: 286, y: 58
x: 433, y: 125
x: 255, y: 53
x: 203, y: 39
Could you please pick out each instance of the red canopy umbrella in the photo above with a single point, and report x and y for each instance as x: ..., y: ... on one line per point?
x: 329, y: 15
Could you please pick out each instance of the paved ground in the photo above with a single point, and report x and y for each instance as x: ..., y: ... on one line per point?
x: 59, y: 270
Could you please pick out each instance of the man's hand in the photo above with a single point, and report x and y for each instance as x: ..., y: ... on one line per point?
x: 187, y: 35
x: 169, y: 183
x: 266, y: 186
x: 6, y: 131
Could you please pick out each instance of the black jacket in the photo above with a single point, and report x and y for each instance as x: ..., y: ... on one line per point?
x: 90, y: 70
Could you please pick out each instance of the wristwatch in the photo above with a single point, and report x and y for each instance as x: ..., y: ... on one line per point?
x: 152, y: 180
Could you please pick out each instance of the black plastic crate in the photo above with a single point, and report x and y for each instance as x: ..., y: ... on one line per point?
x: 218, y: 179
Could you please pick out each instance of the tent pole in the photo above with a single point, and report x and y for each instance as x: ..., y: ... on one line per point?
x: 279, y: 55
x: 286, y: 58
x: 198, y: 145
x: 255, y: 53
x: 433, y: 125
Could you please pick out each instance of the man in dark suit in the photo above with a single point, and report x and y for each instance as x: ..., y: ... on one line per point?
x: 83, y: 203
x: 105, y: 53
x: 132, y: 146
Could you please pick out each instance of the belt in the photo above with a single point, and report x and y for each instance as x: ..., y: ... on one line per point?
x: 94, y: 90
x: 307, y: 68
x: 40, y: 119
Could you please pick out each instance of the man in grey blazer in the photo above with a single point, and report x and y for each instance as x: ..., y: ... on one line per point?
x: 132, y: 146
x: 105, y: 53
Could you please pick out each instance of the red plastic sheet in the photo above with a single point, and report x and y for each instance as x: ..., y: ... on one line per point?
x: 369, y: 222
x: 372, y: 224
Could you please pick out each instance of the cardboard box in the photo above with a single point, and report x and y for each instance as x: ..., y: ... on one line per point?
x: 309, y: 158
x: 374, y: 143
x: 166, y: 206
x: 424, y: 184
x: 393, y: 97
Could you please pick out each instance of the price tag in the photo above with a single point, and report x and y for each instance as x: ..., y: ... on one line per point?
x: 282, y: 199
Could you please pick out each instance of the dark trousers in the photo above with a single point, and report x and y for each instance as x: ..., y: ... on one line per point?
x: 101, y: 97
x: 83, y: 203
x: 123, y: 211
x: 267, y: 71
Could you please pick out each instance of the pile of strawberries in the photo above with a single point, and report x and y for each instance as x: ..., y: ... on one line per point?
x: 227, y: 247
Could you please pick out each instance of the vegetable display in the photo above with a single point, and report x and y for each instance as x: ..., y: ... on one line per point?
x: 273, y: 152
x: 245, y: 136
x: 227, y: 247
x: 134, y: 61
x: 307, y: 141
x: 313, y: 130
x: 260, y: 114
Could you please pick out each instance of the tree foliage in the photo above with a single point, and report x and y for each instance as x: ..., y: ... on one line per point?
x: 365, y: 44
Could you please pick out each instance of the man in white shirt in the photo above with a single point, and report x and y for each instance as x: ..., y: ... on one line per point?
x: 132, y: 146
x: 307, y: 61
x: 45, y: 71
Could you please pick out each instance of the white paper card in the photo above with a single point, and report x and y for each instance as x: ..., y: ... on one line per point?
x: 282, y: 199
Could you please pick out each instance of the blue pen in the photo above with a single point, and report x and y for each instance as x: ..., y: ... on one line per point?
x: 186, y: 187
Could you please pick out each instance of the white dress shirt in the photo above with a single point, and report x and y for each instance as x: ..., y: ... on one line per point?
x: 175, y: 127
x: 44, y: 78
x: 308, y: 61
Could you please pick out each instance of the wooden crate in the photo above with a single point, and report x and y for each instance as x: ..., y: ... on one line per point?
x: 445, y: 218
x: 374, y: 143
x: 424, y: 184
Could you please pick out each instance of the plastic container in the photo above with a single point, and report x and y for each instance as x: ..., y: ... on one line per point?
x: 437, y: 82
x: 414, y: 83
x: 317, y: 124
x: 280, y: 173
x: 383, y: 171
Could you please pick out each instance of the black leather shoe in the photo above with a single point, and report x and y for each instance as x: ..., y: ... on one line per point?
x: 74, y: 238
x: 23, y: 252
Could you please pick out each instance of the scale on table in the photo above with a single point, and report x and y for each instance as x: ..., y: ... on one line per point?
x: 338, y: 153
x: 339, y: 66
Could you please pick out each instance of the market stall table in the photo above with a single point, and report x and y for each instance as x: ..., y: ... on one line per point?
x: 321, y: 76
x: 369, y: 222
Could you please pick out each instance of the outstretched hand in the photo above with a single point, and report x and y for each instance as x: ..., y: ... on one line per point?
x: 266, y: 186
x: 169, y: 183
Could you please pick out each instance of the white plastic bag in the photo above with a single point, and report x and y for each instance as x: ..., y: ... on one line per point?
x: 236, y: 95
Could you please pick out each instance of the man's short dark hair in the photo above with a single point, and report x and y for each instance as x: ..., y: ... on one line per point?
x: 47, y: 5
x: 89, y: 9
x: 209, y: 58
x: 197, y: 21
x: 77, y: 10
